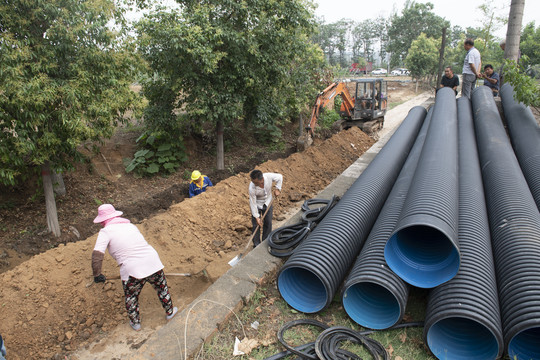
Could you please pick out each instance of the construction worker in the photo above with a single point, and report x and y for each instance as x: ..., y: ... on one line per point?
x: 138, y: 261
x: 199, y: 183
x: 260, y: 197
x: 2, y: 349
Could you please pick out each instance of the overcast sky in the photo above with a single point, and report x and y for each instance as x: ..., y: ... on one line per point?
x: 459, y: 12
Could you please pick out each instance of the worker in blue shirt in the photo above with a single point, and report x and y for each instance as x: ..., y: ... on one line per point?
x: 2, y: 349
x: 199, y: 183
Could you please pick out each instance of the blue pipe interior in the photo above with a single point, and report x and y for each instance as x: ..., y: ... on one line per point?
x: 422, y: 256
x: 371, y: 305
x: 459, y: 338
x: 302, y: 290
x: 525, y: 345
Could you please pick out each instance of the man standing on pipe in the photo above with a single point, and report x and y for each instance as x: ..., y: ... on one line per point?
x: 471, y: 68
x: 260, y: 197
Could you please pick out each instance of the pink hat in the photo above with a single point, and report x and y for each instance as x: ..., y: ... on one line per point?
x: 105, y: 212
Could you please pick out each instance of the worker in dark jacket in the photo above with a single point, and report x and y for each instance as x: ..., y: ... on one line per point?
x: 199, y: 183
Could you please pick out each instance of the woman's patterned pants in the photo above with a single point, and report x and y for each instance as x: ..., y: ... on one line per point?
x: 133, y: 287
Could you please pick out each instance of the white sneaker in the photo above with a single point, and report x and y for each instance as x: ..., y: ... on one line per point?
x: 135, y: 327
x: 174, y: 311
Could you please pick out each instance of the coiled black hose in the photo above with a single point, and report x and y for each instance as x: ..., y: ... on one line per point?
x: 317, y: 214
x: 325, y: 346
x: 285, y: 239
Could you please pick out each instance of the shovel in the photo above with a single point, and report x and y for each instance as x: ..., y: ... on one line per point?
x: 235, y: 260
x: 118, y: 277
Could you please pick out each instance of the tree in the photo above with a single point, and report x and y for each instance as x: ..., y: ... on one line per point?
x: 221, y: 61
x: 526, y: 89
x: 529, y: 45
x: 64, y: 79
x: 422, y: 59
x: 513, y: 31
x: 364, y: 35
x: 415, y: 18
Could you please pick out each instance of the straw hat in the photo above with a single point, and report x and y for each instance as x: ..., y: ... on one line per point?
x: 106, y: 212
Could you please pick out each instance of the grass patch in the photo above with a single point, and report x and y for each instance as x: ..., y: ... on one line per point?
x: 272, y: 312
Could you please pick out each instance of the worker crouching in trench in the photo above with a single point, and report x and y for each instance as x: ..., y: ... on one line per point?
x: 139, y: 262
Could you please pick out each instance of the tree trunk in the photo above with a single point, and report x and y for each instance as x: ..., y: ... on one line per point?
x: 513, y: 32
x: 52, y: 216
x: 58, y: 183
x: 441, y: 58
x: 220, y: 149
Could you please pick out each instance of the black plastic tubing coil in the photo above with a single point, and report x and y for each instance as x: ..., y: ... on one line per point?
x: 284, y: 240
x: 309, y: 279
x: 525, y: 135
x: 515, y: 230
x: 326, y: 344
x: 463, y: 319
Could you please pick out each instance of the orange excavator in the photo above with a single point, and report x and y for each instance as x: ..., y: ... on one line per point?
x: 366, y: 109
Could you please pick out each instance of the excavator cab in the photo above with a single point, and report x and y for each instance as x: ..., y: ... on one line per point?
x: 370, y: 104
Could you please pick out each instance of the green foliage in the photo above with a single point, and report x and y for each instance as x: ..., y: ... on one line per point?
x: 423, y: 57
x: 526, y: 89
x: 327, y: 118
x: 228, y: 61
x: 159, y: 153
x: 415, y: 18
x: 530, y: 44
x: 64, y: 79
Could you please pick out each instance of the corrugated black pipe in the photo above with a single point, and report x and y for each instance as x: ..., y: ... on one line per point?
x: 423, y: 249
x: 373, y: 295
x: 525, y: 135
x: 463, y: 320
x: 514, y: 222
x: 309, y: 279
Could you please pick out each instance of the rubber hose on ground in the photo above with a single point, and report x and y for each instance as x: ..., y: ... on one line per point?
x: 284, y: 240
x: 515, y: 230
x: 373, y: 295
x: 463, y: 320
x: 525, y: 135
x: 309, y: 279
x: 423, y: 249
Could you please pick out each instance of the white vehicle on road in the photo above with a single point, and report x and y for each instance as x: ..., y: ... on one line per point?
x: 379, y: 71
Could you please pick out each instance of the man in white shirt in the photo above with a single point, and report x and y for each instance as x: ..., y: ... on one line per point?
x: 471, y: 68
x: 260, y: 196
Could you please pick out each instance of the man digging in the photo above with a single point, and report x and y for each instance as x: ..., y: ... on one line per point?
x: 260, y: 197
x: 139, y: 262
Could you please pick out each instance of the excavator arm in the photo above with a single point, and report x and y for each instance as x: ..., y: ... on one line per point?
x: 327, y: 95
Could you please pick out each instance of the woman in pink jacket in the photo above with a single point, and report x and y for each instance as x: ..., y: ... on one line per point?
x: 139, y: 262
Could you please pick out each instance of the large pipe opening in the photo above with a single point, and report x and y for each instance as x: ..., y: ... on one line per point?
x: 422, y: 255
x: 525, y: 344
x: 302, y: 289
x: 371, y: 305
x: 461, y: 339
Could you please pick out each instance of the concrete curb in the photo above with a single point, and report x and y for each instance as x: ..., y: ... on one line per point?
x: 235, y: 288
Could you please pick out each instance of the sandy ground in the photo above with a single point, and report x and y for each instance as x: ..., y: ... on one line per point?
x: 48, y: 310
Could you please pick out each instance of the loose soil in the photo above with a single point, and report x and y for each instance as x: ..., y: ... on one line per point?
x: 47, y: 296
x: 47, y: 308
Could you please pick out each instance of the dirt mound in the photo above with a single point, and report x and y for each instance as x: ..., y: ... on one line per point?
x: 48, y: 309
